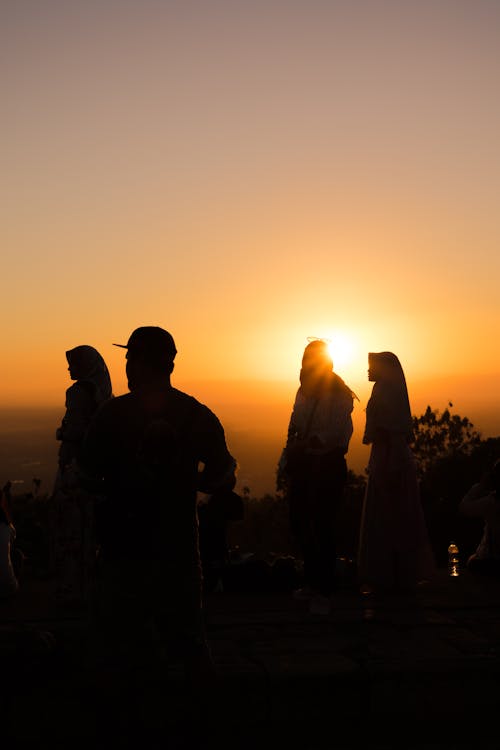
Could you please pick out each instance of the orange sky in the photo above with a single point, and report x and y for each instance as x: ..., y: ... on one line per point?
x: 247, y: 175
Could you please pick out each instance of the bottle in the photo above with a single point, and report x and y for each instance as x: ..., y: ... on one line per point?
x: 453, y: 560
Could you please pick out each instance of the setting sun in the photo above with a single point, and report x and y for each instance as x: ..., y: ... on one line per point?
x: 342, y: 348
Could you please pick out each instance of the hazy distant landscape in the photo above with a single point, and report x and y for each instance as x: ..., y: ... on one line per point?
x: 28, y: 449
x: 255, y: 431
x: 255, y: 435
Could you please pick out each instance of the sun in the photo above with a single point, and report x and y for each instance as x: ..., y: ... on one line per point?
x: 342, y: 349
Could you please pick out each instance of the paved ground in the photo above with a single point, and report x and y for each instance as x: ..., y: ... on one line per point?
x: 421, y: 674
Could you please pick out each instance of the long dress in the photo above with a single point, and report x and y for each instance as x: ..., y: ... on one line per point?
x: 394, y: 548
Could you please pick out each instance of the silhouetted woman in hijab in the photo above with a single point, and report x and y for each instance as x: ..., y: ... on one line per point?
x: 394, y: 550
x: 92, y: 386
x: 73, y: 548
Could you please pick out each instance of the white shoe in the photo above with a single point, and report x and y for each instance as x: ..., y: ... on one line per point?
x: 320, y: 605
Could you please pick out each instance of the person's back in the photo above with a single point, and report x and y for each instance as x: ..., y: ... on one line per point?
x: 147, y: 445
x: 148, y: 452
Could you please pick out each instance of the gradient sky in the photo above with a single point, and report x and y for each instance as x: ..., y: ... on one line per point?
x: 247, y: 174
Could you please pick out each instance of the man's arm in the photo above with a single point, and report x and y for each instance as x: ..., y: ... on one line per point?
x: 219, y: 466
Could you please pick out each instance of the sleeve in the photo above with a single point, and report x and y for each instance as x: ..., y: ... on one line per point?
x: 371, y: 422
x: 343, y: 425
x: 292, y: 428
x: 219, y: 466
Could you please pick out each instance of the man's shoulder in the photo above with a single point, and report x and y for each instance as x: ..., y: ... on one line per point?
x: 116, y: 403
x: 112, y: 408
x: 180, y: 406
x: 184, y: 397
x: 191, y: 404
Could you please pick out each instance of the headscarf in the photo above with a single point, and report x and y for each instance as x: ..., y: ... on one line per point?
x: 316, y: 374
x: 88, y: 365
x: 316, y: 369
x: 388, y: 408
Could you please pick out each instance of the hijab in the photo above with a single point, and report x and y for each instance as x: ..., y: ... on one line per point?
x: 87, y: 365
x: 388, y: 408
x: 316, y: 374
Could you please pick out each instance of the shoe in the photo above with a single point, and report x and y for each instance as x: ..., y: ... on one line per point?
x: 304, y: 594
x: 320, y: 605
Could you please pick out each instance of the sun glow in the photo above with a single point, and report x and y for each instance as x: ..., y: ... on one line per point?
x: 342, y: 348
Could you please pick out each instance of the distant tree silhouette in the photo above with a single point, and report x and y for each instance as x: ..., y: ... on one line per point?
x: 440, y: 435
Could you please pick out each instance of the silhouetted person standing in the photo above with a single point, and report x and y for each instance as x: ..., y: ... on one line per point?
x: 73, y: 543
x: 146, y: 448
x: 315, y: 467
x: 483, y: 501
x: 92, y: 386
x: 394, y: 549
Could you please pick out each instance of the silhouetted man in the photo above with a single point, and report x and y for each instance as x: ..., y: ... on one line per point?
x: 315, y: 468
x: 153, y: 449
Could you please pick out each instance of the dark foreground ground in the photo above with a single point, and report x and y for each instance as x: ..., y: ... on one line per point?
x: 421, y: 674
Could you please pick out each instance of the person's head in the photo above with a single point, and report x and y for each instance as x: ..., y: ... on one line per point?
x: 389, y: 407
x: 317, y: 365
x: 83, y: 362
x: 384, y: 366
x: 150, y: 356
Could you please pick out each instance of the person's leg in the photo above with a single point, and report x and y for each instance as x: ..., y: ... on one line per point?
x: 331, y: 477
x: 300, y: 525
x: 180, y: 619
x: 178, y: 612
x: 212, y: 530
x: 121, y: 644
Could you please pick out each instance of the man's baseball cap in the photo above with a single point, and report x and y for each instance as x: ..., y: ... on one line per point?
x: 151, y: 342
